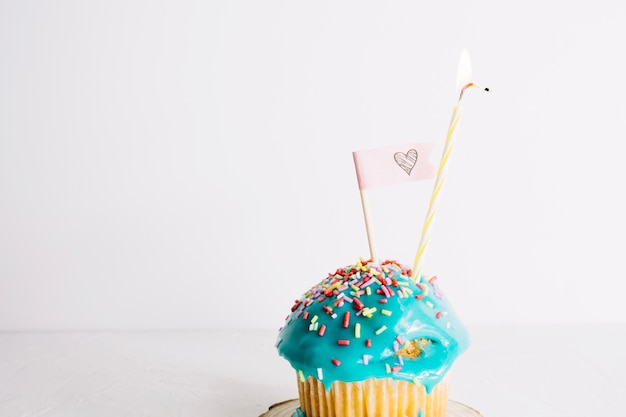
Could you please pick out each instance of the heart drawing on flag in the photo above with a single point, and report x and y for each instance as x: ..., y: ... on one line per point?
x: 407, y: 160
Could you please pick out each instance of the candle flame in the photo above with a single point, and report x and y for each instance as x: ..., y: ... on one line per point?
x: 464, y: 71
x: 464, y: 74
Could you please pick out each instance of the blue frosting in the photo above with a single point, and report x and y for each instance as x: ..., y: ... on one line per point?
x: 340, y: 330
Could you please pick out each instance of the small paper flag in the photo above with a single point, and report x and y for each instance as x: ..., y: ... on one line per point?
x: 394, y: 165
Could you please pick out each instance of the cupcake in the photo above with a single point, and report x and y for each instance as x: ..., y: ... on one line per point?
x: 369, y: 341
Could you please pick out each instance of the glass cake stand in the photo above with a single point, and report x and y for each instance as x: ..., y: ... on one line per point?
x: 288, y: 408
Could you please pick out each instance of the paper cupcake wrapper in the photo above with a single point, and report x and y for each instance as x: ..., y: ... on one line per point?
x: 374, y: 397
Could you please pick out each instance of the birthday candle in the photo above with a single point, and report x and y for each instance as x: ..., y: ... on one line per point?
x: 433, y: 205
x: 464, y: 74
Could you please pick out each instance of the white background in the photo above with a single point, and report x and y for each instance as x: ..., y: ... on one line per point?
x: 188, y: 164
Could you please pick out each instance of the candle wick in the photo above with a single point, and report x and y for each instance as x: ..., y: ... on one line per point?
x: 468, y: 85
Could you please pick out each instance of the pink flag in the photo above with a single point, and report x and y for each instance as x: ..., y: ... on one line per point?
x: 393, y: 165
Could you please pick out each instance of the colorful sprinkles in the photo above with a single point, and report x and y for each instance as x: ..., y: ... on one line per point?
x: 348, y: 294
x: 346, y: 319
x: 380, y: 330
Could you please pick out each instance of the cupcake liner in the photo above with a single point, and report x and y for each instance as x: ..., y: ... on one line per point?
x: 374, y: 397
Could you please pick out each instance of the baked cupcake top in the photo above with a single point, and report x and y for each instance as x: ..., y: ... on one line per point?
x: 371, y: 320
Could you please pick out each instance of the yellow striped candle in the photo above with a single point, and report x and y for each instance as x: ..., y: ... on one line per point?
x: 464, y: 72
x: 433, y: 204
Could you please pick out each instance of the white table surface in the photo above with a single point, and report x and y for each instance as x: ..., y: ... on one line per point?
x: 509, y: 371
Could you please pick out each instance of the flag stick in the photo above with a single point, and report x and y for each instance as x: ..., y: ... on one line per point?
x: 368, y: 224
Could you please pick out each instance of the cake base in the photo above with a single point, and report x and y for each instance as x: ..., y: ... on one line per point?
x: 288, y: 408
